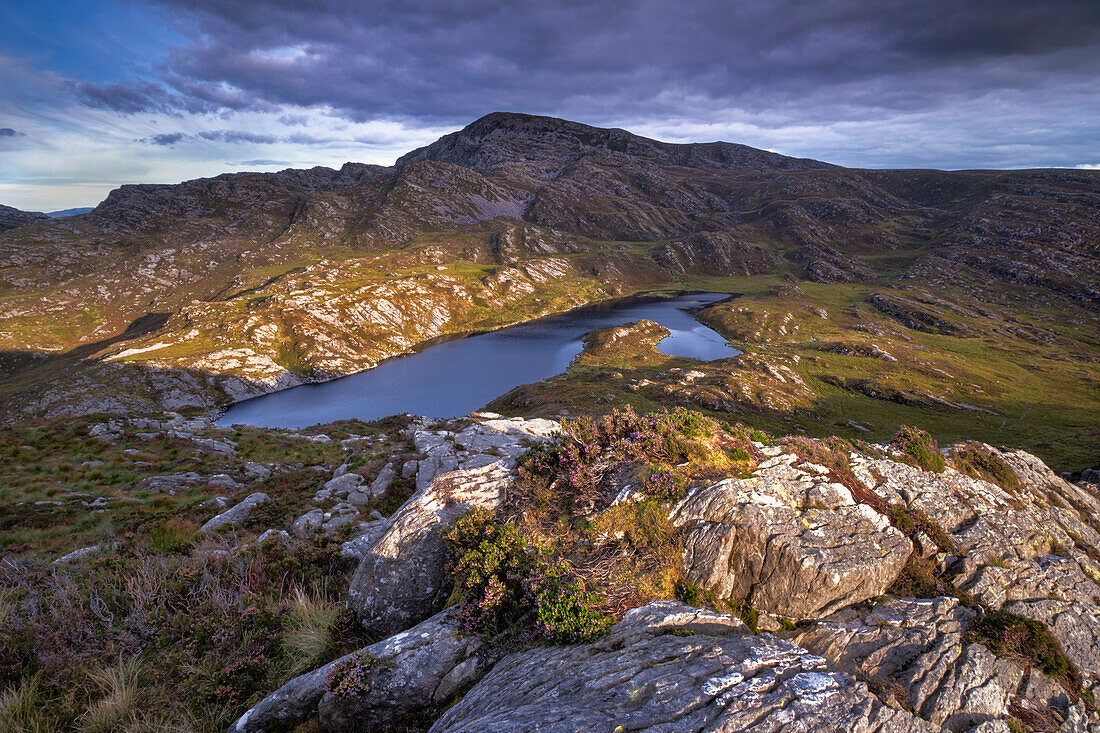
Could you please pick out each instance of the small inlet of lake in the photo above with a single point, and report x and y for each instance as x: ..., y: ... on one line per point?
x: 458, y: 377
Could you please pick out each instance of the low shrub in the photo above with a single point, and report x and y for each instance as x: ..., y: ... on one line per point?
x: 978, y: 461
x: 566, y: 477
x: 206, y: 634
x: 1025, y: 641
x: 353, y: 675
x: 919, y: 449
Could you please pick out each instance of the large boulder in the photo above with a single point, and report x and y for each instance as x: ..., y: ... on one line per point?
x: 416, y: 670
x: 402, y: 578
x: 668, y: 667
x: 788, y: 541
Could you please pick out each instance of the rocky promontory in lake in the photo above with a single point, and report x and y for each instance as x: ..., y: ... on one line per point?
x: 876, y: 508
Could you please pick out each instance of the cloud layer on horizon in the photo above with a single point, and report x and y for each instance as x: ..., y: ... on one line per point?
x: 987, y: 83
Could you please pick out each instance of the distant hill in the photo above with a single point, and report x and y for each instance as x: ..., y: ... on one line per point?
x: 12, y: 218
x: 67, y: 212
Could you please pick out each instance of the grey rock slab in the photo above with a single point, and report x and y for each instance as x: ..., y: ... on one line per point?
x: 640, y: 677
x: 916, y: 646
x: 212, y: 445
x: 237, y: 513
x: 257, y: 470
x: 425, y: 665
x: 402, y: 578
x: 170, y: 484
x: 343, y: 484
x: 80, y: 554
x: 276, y: 534
x: 331, y: 525
x: 106, y: 432
x: 383, y: 480
x: 359, y: 499
x: 224, y: 481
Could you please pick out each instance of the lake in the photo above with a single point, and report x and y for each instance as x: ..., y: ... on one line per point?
x: 458, y: 377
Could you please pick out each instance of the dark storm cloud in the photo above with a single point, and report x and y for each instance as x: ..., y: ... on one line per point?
x: 8, y: 132
x: 447, y: 61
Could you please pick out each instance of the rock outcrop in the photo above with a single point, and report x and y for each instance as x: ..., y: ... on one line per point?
x: 401, y: 578
x: 788, y: 541
x: 236, y: 514
x: 913, y: 649
x: 12, y: 218
x: 791, y: 541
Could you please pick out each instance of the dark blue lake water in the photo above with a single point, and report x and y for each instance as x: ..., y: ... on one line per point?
x: 458, y: 377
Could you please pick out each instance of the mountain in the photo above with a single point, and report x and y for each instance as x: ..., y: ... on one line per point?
x: 11, y: 218
x: 193, y: 295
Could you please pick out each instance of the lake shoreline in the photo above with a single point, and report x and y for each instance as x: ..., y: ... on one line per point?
x: 611, y: 304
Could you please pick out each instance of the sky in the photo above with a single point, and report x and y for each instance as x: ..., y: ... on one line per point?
x: 97, y: 94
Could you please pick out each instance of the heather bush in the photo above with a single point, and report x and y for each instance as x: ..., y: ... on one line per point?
x: 565, y: 613
x: 506, y: 585
x: 353, y: 675
x: 567, y: 477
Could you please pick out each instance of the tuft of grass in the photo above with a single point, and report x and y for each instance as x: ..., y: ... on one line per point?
x: 311, y: 633
x: 119, y: 688
x: 23, y: 707
x: 174, y: 536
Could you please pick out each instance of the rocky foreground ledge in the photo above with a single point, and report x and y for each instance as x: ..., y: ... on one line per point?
x: 880, y: 597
